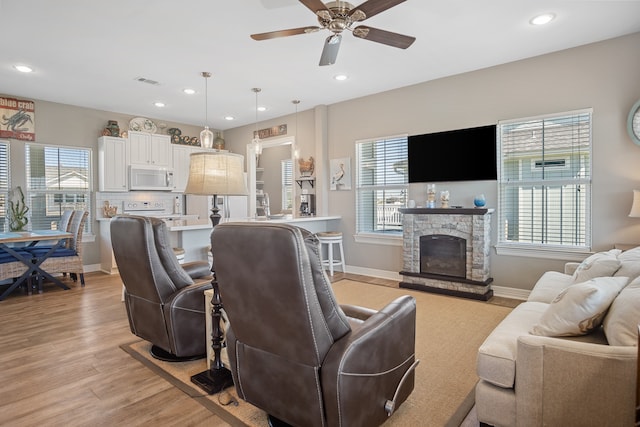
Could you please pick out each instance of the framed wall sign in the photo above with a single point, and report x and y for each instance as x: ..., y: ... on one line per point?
x: 17, y: 119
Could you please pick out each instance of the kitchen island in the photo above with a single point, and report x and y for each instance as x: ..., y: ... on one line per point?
x: 194, y: 235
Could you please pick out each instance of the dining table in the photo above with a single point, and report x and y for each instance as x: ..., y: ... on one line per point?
x: 15, y: 243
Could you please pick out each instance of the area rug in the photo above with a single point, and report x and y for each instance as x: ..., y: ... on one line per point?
x: 448, y: 333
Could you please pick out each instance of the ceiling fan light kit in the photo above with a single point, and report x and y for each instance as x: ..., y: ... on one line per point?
x: 338, y: 16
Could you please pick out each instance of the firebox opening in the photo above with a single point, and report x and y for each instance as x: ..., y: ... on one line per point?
x: 444, y: 255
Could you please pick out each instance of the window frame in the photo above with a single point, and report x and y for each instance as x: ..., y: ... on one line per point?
x: 384, y: 237
x: 51, y: 194
x: 4, y: 191
x: 573, y: 252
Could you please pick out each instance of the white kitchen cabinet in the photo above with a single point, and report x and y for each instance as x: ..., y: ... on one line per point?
x: 149, y: 149
x: 181, y: 158
x: 112, y: 164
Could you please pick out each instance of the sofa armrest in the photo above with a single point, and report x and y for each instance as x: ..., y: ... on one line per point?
x: 365, y: 368
x: 565, y: 382
x: 571, y: 267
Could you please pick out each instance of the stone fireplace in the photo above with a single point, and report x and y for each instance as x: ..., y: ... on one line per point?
x: 447, y: 251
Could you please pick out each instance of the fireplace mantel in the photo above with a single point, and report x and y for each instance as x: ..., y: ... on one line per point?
x: 471, y: 224
x: 446, y: 211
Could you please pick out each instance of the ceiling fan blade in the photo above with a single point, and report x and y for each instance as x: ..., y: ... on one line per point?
x: 284, y: 33
x: 384, y: 37
x: 314, y: 5
x: 330, y: 50
x: 371, y: 8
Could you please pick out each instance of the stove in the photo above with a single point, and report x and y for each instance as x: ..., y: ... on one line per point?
x: 154, y: 209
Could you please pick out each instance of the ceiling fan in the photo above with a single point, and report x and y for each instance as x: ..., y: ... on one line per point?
x: 338, y: 16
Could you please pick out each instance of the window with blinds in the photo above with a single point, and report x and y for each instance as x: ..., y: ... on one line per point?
x: 5, y: 184
x: 286, y: 167
x: 58, y: 178
x: 544, y: 183
x: 381, y: 184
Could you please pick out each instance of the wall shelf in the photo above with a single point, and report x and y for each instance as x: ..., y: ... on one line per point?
x: 310, y: 179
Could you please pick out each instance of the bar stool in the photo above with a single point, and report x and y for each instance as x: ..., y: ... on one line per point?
x: 179, y: 253
x: 331, y: 238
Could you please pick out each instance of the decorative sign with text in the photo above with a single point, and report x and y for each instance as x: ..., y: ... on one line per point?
x: 270, y: 132
x: 17, y: 119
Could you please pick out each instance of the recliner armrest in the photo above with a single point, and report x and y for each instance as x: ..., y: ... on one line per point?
x: 357, y: 312
x: 381, y: 349
x: 197, y: 269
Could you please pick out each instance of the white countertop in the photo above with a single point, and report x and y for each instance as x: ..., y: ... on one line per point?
x: 201, y: 224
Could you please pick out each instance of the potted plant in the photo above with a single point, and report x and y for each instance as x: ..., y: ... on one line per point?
x: 17, y: 211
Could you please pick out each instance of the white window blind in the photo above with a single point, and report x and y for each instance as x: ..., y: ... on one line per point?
x: 58, y: 178
x: 286, y: 167
x: 545, y: 181
x: 381, y: 184
x: 5, y: 184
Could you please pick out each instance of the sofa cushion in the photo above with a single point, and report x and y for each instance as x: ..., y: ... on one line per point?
x: 601, y: 264
x: 496, y: 362
x: 580, y: 308
x: 621, y: 322
x: 550, y: 284
x: 629, y: 264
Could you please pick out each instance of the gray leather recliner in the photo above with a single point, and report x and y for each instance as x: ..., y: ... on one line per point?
x: 165, y: 306
x: 294, y: 351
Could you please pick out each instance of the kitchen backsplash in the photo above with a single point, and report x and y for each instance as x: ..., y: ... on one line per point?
x: 165, y: 200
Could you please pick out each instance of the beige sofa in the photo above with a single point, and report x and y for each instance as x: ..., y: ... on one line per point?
x: 568, y: 355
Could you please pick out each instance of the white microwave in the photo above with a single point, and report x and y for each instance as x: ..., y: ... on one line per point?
x: 150, y: 178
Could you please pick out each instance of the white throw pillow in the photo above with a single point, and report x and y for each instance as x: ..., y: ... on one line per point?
x: 630, y: 264
x: 580, y: 308
x: 601, y: 264
x: 622, y: 320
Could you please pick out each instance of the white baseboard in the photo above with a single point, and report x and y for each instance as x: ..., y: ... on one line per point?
x: 513, y: 293
x: 499, y: 291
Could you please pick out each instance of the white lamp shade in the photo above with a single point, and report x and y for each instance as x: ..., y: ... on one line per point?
x: 635, y: 208
x: 216, y: 174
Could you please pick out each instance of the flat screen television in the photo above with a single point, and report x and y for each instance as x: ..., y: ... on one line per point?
x: 456, y: 155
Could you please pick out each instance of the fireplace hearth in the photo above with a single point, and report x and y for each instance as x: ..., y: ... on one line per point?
x: 447, y: 251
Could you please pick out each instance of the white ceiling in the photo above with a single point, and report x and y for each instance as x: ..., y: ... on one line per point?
x: 89, y: 52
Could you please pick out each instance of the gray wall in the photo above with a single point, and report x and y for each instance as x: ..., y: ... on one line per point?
x: 604, y: 76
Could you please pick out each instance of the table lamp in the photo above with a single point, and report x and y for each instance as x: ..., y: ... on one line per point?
x: 215, y: 174
x: 635, y: 207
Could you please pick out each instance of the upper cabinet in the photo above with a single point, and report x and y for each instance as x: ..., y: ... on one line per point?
x: 181, y: 161
x: 149, y: 149
x: 112, y: 164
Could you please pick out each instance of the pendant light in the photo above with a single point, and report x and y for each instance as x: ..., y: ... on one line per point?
x: 296, y: 151
x: 255, y: 142
x: 206, y: 136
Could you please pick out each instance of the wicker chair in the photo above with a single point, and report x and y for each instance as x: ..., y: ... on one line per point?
x: 69, y: 259
x: 10, y: 268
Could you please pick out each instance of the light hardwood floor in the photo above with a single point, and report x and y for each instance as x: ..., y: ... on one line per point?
x: 61, y: 363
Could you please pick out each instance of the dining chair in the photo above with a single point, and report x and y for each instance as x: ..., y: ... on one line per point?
x: 69, y: 259
x: 11, y: 268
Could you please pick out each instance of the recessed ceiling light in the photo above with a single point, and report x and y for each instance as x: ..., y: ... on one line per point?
x: 543, y: 19
x: 189, y: 91
x: 262, y: 108
x: 341, y: 77
x: 23, y: 68
x: 159, y: 104
x: 229, y: 118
